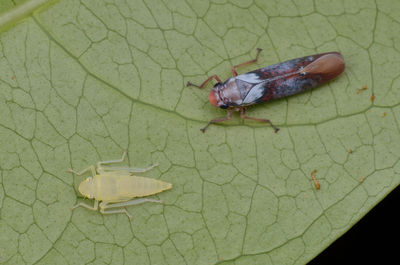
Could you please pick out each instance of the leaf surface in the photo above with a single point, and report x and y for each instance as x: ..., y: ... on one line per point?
x: 83, y: 80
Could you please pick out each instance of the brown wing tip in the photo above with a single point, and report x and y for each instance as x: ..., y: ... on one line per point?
x: 329, y: 66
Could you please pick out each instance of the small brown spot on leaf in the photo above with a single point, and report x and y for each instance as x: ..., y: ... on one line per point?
x: 316, y: 182
x: 358, y: 91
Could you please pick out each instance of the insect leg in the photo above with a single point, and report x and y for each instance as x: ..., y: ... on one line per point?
x: 246, y: 63
x: 243, y: 115
x: 91, y: 168
x: 105, y: 205
x: 205, y: 82
x: 128, y: 203
x: 93, y: 208
x: 218, y: 120
x: 113, y: 161
x: 132, y: 169
x: 129, y: 169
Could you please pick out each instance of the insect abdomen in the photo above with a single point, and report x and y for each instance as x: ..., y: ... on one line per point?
x: 115, y: 188
x: 141, y: 186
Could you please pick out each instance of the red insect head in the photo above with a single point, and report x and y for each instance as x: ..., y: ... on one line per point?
x: 213, y: 97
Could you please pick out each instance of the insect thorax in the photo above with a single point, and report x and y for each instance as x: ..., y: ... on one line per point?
x: 233, y: 91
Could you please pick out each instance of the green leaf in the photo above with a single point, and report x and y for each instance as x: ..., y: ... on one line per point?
x: 83, y: 80
x: 11, y: 11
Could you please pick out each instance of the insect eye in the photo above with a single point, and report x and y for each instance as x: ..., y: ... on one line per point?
x: 217, y: 84
x: 223, y: 106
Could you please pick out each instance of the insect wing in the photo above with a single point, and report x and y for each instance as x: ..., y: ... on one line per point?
x: 291, y: 77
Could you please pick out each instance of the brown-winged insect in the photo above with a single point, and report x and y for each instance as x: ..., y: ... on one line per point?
x: 272, y: 82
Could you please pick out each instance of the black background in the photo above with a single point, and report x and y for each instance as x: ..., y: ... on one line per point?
x: 373, y: 240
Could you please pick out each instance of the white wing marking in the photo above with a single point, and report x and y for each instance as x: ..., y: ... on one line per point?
x: 250, y: 78
x: 254, y: 94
